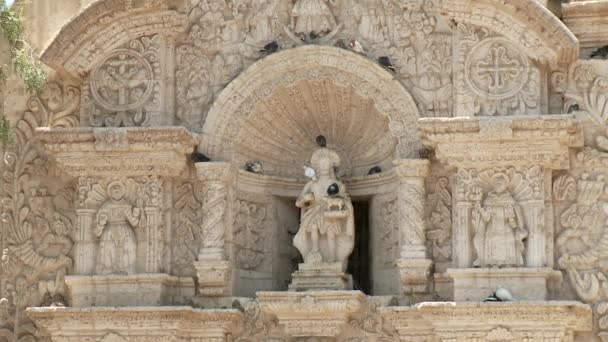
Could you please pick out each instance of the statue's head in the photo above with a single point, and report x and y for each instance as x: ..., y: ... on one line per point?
x: 324, y: 162
x: 116, y: 190
x: 501, y: 182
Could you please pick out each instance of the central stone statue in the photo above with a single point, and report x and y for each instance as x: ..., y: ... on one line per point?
x: 327, y: 233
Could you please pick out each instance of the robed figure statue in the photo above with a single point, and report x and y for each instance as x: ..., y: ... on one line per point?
x: 327, y: 232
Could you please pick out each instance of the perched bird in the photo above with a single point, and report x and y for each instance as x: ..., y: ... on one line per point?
x: 198, y: 157
x: 313, y: 35
x: 321, y: 141
x: 270, y: 48
x: 310, y: 172
x: 254, y: 167
x: 573, y: 108
x: 492, y: 298
x: 333, y: 190
x: 375, y: 170
x: 504, y: 295
x: 600, y: 53
x: 385, y: 62
x: 237, y: 305
x: 341, y: 44
x: 355, y: 46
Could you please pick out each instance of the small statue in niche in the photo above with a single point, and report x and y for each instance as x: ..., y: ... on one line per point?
x: 499, y: 227
x: 114, y: 225
x: 327, y: 232
x: 311, y: 18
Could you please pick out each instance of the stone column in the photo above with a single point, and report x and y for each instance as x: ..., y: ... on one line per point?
x: 213, y: 268
x: 154, y: 241
x: 85, y: 244
x: 414, y: 266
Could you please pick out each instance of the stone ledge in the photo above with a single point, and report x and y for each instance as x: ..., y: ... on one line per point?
x: 476, y: 284
x: 106, y: 152
x: 136, y: 322
x: 588, y: 20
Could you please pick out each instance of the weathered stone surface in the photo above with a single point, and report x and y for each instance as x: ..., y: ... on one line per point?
x: 163, y: 166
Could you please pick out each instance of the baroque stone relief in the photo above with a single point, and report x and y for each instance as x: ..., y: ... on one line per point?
x: 253, y: 231
x: 439, y: 221
x: 125, y: 87
x: 37, y: 214
x: 495, y: 77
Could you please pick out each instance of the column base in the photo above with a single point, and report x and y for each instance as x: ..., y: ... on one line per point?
x: 321, y: 276
x: 128, y: 290
x: 414, y: 275
x: 214, y: 278
x: 525, y: 284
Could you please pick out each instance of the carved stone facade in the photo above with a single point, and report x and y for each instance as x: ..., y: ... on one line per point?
x: 311, y: 170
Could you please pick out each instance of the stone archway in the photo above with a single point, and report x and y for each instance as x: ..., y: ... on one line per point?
x: 274, y: 110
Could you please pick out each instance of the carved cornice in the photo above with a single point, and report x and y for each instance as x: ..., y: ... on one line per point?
x: 319, y: 314
x: 119, y: 151
x: 442, y: 316
x: 488, y: 142
x: 588, y: 20
x: 136, y: 321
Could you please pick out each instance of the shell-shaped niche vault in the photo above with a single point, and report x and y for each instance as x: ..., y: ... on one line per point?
x: 274, y: 111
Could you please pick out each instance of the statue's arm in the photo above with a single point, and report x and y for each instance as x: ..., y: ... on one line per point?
x: 303, y: 200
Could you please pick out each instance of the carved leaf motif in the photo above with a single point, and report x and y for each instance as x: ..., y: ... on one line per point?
x: 596, y: 100
x: 564, y: 188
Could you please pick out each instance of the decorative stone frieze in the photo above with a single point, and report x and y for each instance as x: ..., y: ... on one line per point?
x: 313, y: 314
x: 107, y: 152
x: 137, y: 324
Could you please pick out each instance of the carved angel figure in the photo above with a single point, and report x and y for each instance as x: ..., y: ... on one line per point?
x: 115, y: 219
x: 327, y: 229
x: 499, y: 227
x: 312, y: 16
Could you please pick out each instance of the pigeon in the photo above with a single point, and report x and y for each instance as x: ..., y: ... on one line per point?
x: 492, y: 298
x: 254, y: 167
x: 355, y: 46
x: 341, y: 44
x: 573, y: 108
x: 198, y: 157
x: 313, y: 35
x: 333, y: 190
x: 600, y: 53
x: 386, y: 63
x: 321, y: 141
x: 270, y: 48
x: 504, y: 295
x: 375, y: 170
x: 310, y: 172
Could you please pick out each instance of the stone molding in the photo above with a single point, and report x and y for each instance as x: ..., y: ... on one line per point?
x: 301, y: 312
x: 106, y: 152
x: 588, y: 20
x: 103, y: 26
x: 489, y: 142
x: 548, y: 41
x: 139, y: 323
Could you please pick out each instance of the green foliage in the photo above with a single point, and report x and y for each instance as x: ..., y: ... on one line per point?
x: 26, y: 64
x: 7, y: 135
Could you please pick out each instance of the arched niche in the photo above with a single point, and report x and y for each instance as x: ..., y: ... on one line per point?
x: 273, y: 112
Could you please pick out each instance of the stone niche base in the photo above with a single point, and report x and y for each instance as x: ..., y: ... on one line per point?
x: 476, y: 284
x: 130, y: 290
x: 214, y: 278
x: 136, y: 324
x: 319, y: 277
x: 313, y: 313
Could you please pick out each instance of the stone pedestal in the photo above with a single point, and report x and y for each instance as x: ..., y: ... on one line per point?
x: 133, y: 290
x: 214, y: 278
x: 414, y: 275
x: 313, y: 314
x: 525, y: 284
x: 322, y: 276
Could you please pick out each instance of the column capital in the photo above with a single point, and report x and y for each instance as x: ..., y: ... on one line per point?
x: 412, y: 168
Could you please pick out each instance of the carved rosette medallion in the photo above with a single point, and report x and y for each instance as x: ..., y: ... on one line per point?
x: 496, y: 68
x: 122, y: 81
